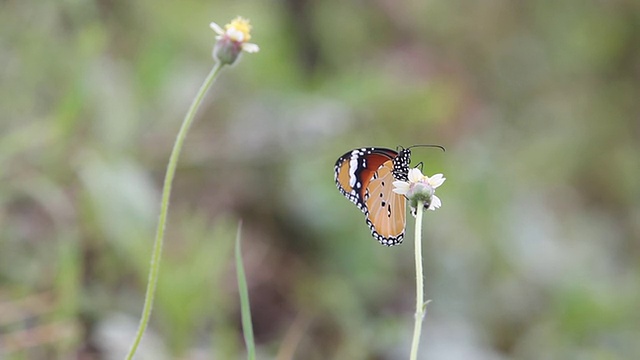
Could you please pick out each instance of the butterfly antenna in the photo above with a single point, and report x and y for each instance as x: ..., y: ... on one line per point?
x: 428, y: 145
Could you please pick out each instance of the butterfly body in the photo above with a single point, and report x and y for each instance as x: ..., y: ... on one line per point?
x: 365, y: 176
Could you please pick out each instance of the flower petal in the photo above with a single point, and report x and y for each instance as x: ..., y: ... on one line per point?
x: 435, y: 203
x: 415, y: 175
x: 401, y: 187
x: 235, y: 34
x: 436, y: 180
x: 215, y: 27
x: 250, y: 48
x: 401, y: 184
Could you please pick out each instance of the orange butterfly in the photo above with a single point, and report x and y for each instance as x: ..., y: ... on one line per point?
x: 365, y: 176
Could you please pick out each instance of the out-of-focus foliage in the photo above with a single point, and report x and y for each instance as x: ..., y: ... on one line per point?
x: 535, y: 253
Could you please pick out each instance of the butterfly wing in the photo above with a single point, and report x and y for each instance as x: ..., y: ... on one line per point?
x: 355, y: 169
x: 386, y: 210
x: 365, y: 176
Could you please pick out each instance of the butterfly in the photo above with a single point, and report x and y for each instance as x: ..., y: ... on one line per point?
x: 365, y: 176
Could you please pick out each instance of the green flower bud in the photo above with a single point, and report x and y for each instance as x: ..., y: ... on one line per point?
x: 227, y: 51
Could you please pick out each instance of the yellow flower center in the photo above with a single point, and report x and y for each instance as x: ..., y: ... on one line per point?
x: 242, y: 25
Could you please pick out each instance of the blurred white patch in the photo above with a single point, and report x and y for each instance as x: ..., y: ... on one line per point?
x: 285, y: 124
x: 124, y: 197
x: 115, y: 333
x: 450, y: 339
x: 534, y: 238
x: 553, y: 246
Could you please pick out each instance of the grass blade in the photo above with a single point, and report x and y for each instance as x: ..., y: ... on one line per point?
x: 245, y: 309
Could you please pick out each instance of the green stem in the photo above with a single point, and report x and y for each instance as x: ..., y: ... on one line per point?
x: 164, y: 208
x: 420, y: 305
x: 247, y: 327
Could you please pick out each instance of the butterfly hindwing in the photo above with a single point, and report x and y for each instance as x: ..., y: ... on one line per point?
x: 387, y: 210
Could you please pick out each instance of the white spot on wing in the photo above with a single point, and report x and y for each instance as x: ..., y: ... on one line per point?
x: 353, y: 166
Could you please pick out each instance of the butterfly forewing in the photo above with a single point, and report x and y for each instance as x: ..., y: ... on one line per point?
x: 387, y: 212
x: 355, y: 169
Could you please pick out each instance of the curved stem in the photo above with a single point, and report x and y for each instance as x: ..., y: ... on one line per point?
x: 420, y: 305
x: 164, y: 208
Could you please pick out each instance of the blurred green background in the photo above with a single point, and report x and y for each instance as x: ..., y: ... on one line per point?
x: 535, y: 253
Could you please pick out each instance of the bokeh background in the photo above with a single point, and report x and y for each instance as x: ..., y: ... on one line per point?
x: 535, y: 253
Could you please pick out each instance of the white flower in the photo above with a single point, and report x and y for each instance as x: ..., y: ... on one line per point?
x: 420, y: 188
x: 238, y: 31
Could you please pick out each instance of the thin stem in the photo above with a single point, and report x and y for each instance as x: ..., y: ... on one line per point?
x: 420, y: 305
x: 164, y: 208
x: 247, y: 327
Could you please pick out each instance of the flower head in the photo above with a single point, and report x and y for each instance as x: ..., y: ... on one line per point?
x: 420, y: 188
x: 232, y: 40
